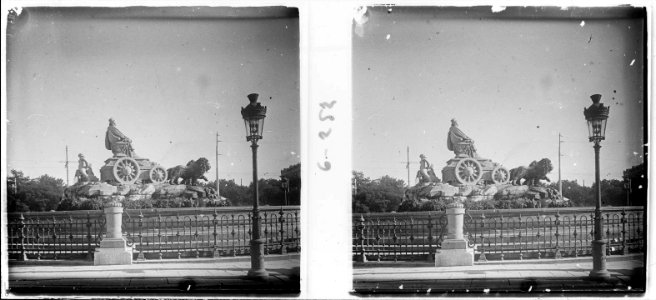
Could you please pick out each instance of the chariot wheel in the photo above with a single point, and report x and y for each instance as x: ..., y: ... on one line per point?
x: 126, y: 170
x: 468, y: 171
x: 500, y: 175
x: 157, y: 174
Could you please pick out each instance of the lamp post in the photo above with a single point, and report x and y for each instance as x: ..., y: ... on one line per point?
x: 254, y: 114
x: 596, y: 116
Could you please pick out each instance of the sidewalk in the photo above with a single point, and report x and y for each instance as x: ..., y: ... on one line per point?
x: 547, y: 276
x: 177, y: 277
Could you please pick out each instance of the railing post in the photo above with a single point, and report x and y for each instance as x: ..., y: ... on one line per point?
x: 21, y: 230
x: 482, y: 256
x: 113, y: 248
x: 501, y: 237
x: 89, y: 249
x: 361, y: 227
x: 141, y: 256
x: 519, y: 237
x: 557, y: 254
x: 576, y: 252
x: 431, y: 251
x: 624, y: 250
x: 159, y: 236
x: 215, y: 253
x: 281, y: 221
x: 177, y: 235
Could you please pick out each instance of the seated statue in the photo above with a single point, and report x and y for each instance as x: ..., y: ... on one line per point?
x: 426, y: 174
x: 118, y: 142
x: 458, y: 142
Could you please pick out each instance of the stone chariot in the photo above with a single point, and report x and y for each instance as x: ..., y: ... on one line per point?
x: 467, y: 170
x: 124, y: 169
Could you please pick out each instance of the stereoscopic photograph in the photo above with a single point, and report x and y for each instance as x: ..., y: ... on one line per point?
x: 499, y: 151
x: 152, y: 150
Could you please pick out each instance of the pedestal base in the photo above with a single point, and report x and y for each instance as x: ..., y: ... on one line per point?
x: 454, y: 253
x: 113, y: 251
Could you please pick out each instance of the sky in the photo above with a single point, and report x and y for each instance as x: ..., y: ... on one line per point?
x: 170, y: 77
x: 514, y: 80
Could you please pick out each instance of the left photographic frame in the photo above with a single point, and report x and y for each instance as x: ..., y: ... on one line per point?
x: 129, y: 170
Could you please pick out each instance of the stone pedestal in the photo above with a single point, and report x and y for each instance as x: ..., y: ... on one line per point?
x: 113, y: 249
x: 454, y: 251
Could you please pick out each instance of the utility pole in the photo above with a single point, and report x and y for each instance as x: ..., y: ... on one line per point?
x: 560, y: 182
x: 407, y: 164
x: 218, y: 193
x: 66, y: 165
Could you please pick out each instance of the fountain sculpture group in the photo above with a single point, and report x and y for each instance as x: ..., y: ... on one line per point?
x: 126, y: 176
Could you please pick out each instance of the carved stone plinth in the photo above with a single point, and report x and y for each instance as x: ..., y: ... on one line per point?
x: 454, y: 251
x: 113, y: 248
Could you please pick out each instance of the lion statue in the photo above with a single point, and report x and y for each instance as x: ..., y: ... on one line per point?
x: 190, y: 173
x: 532, y: 174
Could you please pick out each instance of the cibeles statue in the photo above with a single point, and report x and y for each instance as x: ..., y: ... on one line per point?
x: 117, y: 142
x: 458, y: 142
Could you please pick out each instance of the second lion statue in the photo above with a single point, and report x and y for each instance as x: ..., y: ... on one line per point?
x: 189, y: 174
x: 532, y: 174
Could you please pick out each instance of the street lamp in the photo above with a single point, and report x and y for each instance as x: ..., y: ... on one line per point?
x: 253, y: 115
x: 596, y: 116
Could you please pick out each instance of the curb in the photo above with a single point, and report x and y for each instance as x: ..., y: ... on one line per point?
x: 270, y: 257
x: 387, y: 264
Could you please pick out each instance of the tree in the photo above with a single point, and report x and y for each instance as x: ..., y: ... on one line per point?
x: 41, y: 194
x: 612, y: 192
x: 293, y: 175
x: 384, y: 194
x: 635, y: 180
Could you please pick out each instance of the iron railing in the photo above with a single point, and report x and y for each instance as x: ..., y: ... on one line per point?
x: 153, y: 234
x: 499, y: 234
x: 49, y: 237
x: 209, y: 233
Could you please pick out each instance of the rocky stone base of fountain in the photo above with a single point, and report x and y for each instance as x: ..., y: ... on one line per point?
x: 133, y: 192
x: 435, y: 196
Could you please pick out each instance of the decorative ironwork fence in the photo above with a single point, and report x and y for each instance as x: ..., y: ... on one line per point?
x: 49, y: 237
x: 499, y: 234
x: 210, y: 234
x: 153, y: 234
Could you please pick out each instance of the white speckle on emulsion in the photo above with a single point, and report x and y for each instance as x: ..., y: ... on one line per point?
x: 486, y: 291
x: 388, y: 36
x: 632, y: 62
x: 582, y: 23
x: 496, y: 8
x: 400, y: 287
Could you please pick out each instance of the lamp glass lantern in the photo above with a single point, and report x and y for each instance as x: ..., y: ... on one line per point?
x: 253, y: 114
x: 596, y: 115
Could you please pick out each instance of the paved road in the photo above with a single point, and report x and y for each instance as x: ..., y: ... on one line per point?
x: 508, y: 277
x: 171, y: 277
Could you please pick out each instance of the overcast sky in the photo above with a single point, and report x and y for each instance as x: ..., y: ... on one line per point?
x: 514, y: 80
x: 171, y: 78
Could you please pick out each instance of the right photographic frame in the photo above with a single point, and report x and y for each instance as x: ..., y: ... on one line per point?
x: 499, y: 150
